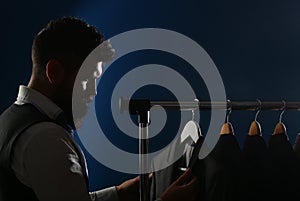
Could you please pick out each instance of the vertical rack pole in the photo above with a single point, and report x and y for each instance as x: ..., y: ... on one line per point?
x: 143, y: 157
x: 142, y: 109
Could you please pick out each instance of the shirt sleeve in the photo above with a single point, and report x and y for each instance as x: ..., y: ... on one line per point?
x: 107, y: 194
x: 46, y: 161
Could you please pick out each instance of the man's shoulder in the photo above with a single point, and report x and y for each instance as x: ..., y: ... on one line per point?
x: 21, y: 115
x: 43, y: 131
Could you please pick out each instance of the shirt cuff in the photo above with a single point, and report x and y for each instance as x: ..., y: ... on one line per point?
x: 107, y: 194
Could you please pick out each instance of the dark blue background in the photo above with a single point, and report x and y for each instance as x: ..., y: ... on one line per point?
x: 255, y: 45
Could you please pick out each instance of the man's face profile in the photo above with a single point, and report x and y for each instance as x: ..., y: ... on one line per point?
x: 85, y: 90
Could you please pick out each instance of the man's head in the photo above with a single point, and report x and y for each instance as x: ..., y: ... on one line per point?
x: 67, y: 40
x: 58, y: 51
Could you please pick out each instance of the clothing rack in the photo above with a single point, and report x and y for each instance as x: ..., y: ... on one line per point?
x: 141, y: 107
x: 137, y: 104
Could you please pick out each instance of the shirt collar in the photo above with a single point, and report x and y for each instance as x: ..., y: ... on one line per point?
x: 41, y: 102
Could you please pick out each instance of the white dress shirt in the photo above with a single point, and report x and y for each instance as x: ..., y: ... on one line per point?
x: 44, y: 157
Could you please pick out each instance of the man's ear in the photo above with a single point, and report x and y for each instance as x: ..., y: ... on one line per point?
x: 55, y: 72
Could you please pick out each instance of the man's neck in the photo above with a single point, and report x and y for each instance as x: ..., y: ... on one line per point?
x: 41, y: 86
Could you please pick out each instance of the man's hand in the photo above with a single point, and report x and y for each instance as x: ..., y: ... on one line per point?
x: 180, y: 190
x: 129, y: 190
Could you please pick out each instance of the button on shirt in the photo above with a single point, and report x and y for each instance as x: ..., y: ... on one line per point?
x: 45, y: 158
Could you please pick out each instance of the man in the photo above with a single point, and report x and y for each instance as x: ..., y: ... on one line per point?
x: 39, y: 159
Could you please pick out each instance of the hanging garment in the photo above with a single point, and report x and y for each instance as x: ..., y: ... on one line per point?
x: 224, y: 171
x: 257, y: 169
x: 198, y: 170
x: 297, y: 146
x: 285, y: 168
x: 163, y: 178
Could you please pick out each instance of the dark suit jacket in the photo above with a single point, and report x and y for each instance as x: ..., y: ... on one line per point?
x: 224, y: 171
x: 257, y: 169
x: 285, y: 168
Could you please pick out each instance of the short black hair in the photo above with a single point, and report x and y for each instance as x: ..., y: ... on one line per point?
x: 68, y: 40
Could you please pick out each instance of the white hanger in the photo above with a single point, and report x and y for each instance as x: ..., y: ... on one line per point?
x: 191, y: 129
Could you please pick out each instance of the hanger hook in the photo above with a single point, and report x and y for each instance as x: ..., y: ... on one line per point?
x: 229, y: 110
x: 282, y: 111
x: 258, y: 110
x: 193, y: 114
x: 193, y: 110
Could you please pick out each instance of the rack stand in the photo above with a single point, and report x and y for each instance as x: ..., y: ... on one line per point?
x: 142, y: 109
